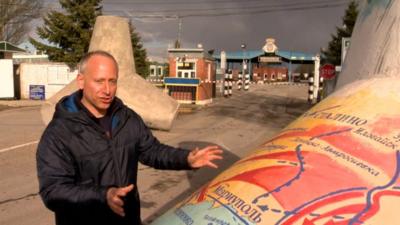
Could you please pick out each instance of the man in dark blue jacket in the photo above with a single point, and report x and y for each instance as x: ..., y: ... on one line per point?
x: 87, y: 158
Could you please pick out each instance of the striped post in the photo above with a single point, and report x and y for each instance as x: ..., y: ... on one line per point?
x: 310, y: 89
x: 230, y: 84
x: 226, y: 85
x: 246, y: 82
x: 240, y: 81
x: 320, y: 89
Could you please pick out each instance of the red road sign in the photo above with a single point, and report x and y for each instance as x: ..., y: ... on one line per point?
x: 328, y: 71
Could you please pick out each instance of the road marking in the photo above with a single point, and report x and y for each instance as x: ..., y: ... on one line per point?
x: 18, y: 146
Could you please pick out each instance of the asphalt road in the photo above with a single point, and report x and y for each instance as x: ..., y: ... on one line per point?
x: 238, y: 124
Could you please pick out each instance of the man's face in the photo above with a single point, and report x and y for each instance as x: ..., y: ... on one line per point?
x: 99, y: 84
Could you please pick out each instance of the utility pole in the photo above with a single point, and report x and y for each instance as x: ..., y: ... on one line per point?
x: 241, y: 76
x: 179, y: 31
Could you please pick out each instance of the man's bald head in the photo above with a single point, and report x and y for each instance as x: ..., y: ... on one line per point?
x: 83, y: 63
x: 97, y: 78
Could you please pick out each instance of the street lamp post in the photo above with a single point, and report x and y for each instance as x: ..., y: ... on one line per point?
x: 243, y: 46
x: 240, y: 82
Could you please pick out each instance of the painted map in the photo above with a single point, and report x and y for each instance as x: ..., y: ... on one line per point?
x: 337, y: 164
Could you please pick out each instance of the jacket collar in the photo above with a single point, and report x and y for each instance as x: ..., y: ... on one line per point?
x: 70, y: 107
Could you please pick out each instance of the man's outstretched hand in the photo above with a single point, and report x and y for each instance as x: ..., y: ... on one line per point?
x: 115, y: 198
x: 204, y: 157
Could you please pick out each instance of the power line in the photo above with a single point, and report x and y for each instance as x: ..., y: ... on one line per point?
x: 181, y: 2
x: 312, y: 3
x: 197, y: 2
x: 211, y: 12
x: 260, y: 11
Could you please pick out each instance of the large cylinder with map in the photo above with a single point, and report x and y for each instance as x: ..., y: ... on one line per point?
x: 339, y: 163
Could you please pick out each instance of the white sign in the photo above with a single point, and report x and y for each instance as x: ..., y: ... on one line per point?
x: 345, y: 47
x: 223, y: 60
x: 270, y: 59
x: 270, y: 46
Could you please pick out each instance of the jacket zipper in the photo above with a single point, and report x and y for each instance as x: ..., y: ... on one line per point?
x: 114, y: 153
x: 110, y: 144
x: 116, y: 163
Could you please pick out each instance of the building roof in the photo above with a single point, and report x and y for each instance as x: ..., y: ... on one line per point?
x: 185, y: 50
x: 190, y: 52
x: 289, y: 55
x: 9, y: 47
x: 240, y: 54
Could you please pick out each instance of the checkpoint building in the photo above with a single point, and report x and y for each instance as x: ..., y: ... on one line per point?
x: 268, y: 64
x: 191, y: 76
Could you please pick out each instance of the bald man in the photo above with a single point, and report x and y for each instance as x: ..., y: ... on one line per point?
x: 87, y: 158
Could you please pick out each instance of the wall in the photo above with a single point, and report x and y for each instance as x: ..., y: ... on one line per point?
x: 279, y: 72
x: 203, y: 67
x: 6, y: 79
x: 172, y: 67
x: 54, y: 76
x: 205, y: 91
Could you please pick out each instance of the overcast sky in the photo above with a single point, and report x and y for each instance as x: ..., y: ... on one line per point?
x: 297, y: 25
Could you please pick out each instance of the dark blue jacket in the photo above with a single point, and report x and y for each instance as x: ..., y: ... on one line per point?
x: 77, y: 162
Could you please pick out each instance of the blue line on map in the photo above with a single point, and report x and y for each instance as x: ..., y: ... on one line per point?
x: 294, y: 211
x: 228, y: 208
x: 288, y: 183
x: 331, y: 133
x: 356, y: 218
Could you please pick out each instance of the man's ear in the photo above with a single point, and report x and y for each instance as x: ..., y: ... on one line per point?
x: 80, y: 80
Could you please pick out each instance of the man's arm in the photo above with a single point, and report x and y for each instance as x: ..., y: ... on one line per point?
x: 57, y: 178
x: 161, y: 156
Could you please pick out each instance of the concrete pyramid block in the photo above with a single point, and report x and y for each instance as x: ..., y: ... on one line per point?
x: 111, y: 34
x: 374, y: 49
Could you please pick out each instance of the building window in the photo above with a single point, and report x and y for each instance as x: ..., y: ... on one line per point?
x: 159, y: 71
x: 186, y: 69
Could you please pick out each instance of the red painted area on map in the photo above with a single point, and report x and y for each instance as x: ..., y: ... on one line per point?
x: 376, y: 203
x: 349, y: 210
x: 322, y: 175
x: 258, y: 177
x: 365, y: 152
x: 385, y: 125
x: 315, y: 181
x: 327, y: 201
x: 346, y: 142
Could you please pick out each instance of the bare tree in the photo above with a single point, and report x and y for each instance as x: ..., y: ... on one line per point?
x: 15, y: 16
